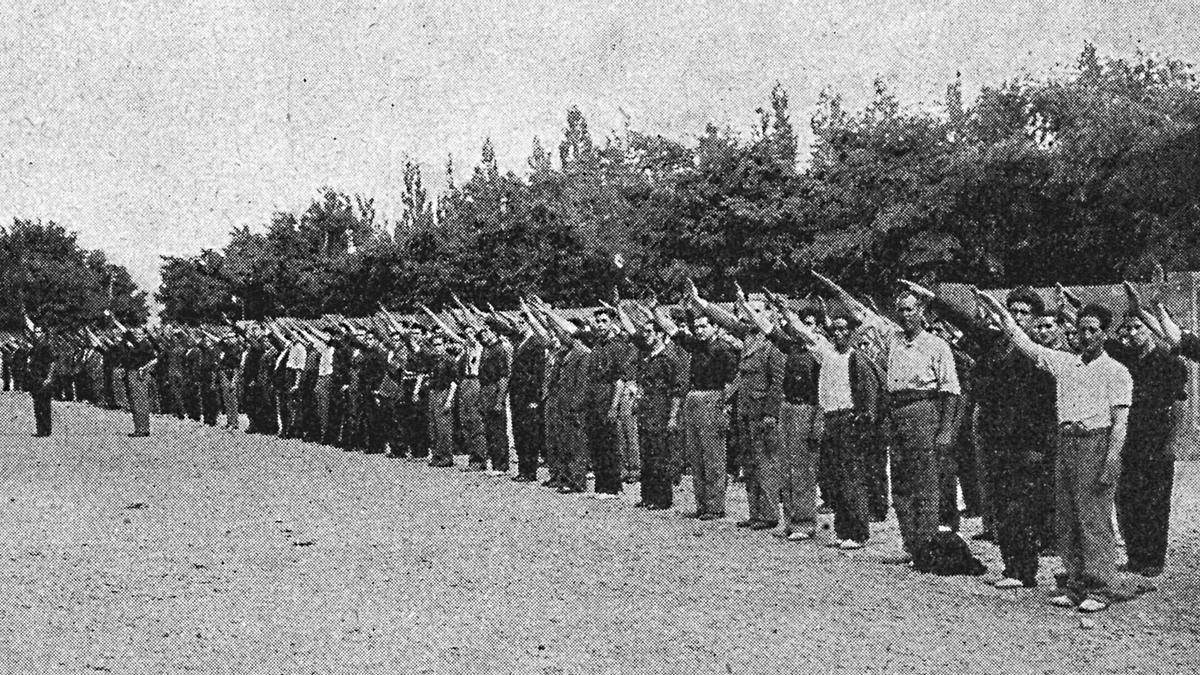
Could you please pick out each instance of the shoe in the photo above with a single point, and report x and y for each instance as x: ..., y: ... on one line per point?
x: 654, y: 507
x: 441, y: 465
x: 763, y: 525
x: 606, y: 496
x: 799, y: 536
x: 898, y: 559
x: 1090, y: 605
x: 495, y: 473
x: 39, y: 435
x: 1062, y: 600
x: 639, y: 505
x: 709, y: 516
x: 692, y: 514
x: 850, y: 545
x: 1151, y: 571
x: 473, y: 467
x: 139, y: 434
x: 522, y: 479
x: 746, y: 523
x: 1009, y: 582
x: 563, y: 489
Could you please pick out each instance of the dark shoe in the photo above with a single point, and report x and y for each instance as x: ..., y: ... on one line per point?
x: 711, y: 516
x: 1151, y: 571
x: 654, y: 507
x: 692, y: 514
x: 899, y: 559
x: 522, y: 479
x: 763, y: 525
x: 139, y: 434
x: 746, y: 523
x: 441, y: 465
x: 639, y: 505
x: 39, y: 435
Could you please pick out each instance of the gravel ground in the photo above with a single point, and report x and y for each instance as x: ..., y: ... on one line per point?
x: 200, y: 551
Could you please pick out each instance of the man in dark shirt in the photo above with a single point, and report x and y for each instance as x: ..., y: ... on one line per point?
x: 495, y: 365
x: 527, y: 391
x: 40, y: 373
x: 608, y: 363
x: 1143, y: 497
x: 802, y: 463
x: 705, y: 415
x: 140, y: 359
x: 660, y: 384
x: 441, y: 402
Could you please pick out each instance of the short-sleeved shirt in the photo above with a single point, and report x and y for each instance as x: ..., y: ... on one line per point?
x: 325, y: 365
x: 1087, y: 392
x: 924, y: 363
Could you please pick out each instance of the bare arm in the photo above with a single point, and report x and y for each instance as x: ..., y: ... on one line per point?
x: 1116, y: 442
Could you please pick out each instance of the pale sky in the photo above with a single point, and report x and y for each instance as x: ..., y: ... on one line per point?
x: 155, y: 127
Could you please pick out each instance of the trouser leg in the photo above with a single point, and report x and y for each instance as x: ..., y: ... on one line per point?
x: 948, y: 471
x: 800, y: 456
x: 440, y: 430
x: 843, y: 437
x: 1015, y: 485
x: 528, y: 435
x: 606, y: 461
x: 915, y: 472
x: 42, y: 415
x: 657, y: 488
x: 139, y: 395
x: 470, y: 420
x: 1144, y: 506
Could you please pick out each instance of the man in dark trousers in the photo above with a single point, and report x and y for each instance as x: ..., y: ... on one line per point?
x: 40, y: 371
x: 140, y: 360
x: 495, y: 368
x: 660, y: 383
x: 1143, y: 496
x: 527, y: 391
x: 608, y: 362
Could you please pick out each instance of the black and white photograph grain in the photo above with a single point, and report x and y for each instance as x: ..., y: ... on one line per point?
x: 599, y: 337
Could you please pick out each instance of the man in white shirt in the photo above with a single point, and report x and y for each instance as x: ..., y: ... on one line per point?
x: 1094, y: 394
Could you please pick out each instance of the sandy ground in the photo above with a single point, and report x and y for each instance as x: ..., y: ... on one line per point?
x: 200, y: 551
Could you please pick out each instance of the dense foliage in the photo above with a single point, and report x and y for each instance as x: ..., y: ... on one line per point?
x: 1087, y: 178
x: 46, y: 275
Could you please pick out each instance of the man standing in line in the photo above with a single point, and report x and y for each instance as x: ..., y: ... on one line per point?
x: 297, y: 357
x: 608, y: 363
x: 1093, y: 394
x: 850, y: 397
x: 568, y: 401
x: 1143, y: 497
x: 759, y: 386
x: 229, y: 362
x: 441, y: 401
x: 658, y: 395
x: 495, y: 368
x: 527, y: 395
x: 140, y: 360
x: 922, y: 386
x: 705, y: 415
x: 41, y: 367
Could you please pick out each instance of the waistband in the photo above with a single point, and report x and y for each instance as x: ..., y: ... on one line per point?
x: 1077, y: 429
x: 899, y: 399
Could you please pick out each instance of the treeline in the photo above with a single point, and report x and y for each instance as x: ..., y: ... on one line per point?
x: 46, y: 276
x: 1088, y: 177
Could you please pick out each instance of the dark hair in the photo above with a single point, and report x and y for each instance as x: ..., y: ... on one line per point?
x: 1101, y: 313
x: 851, y: 323
x: 1028, y: 296
x: 604, y: 311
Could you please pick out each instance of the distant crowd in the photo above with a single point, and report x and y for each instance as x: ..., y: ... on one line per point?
x: 1047, y: 417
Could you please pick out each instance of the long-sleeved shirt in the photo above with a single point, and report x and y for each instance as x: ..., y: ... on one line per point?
x: 713, y: 365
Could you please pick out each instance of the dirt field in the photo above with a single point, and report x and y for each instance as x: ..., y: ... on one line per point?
x: 200, y: 551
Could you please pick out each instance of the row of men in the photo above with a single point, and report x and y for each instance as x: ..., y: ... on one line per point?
x: 805, y: 405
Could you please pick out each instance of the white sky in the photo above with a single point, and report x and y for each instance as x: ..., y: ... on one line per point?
x: 154, y: 127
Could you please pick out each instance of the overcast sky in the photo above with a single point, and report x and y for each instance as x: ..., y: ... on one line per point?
x: 154, y: 127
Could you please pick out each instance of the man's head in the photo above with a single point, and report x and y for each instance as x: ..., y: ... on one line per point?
x: 702, y: 327
x: 840, y: 332
x: 911, y: 311
x: 813, y: 318
x: 486, y: 335
x: 653, y: 335
x: 605, y: 321
x: 1025, y: 305
x: 1046, y: 330
x: 437, y: 341
x: 1134, y: 332
x: 1093, y: 324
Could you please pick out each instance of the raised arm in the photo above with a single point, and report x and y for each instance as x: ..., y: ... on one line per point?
x: 1008, y: 324
x: 719, y: 315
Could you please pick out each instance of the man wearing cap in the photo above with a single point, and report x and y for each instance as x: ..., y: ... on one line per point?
x: 1093, y: 394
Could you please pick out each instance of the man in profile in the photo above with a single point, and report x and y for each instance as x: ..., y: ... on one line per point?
x: 41, y: 367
